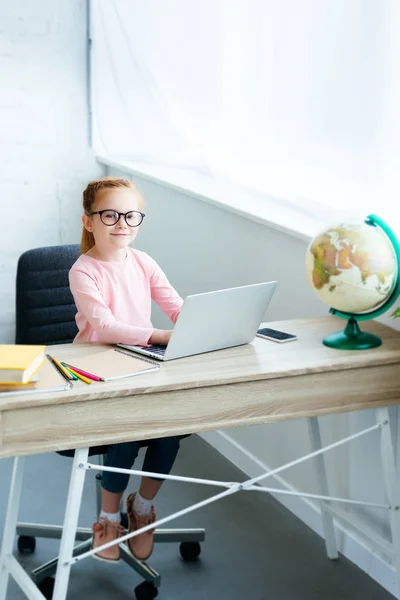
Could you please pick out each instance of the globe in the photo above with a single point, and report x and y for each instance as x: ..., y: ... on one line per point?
x: 354, y: 268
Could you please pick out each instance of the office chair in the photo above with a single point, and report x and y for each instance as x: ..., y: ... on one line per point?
x: 45, y: 314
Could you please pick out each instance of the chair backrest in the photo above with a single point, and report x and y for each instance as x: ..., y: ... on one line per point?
x: 45, y: 308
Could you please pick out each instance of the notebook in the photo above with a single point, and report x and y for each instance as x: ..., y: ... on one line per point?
x: 18, y: 363
x: 48, y: 380
x: 111, y: 363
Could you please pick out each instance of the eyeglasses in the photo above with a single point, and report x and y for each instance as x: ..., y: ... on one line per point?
x: 133, y: 218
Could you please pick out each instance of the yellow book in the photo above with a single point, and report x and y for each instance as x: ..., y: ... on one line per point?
x: 19, y: 363
x: 47, y: 379
x: 19, y: 387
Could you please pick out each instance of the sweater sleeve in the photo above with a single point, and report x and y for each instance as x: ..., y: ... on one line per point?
x: 162, y: 291
x: 91, y: 305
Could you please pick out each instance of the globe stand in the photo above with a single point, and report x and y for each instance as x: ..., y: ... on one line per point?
x: 352, y: 338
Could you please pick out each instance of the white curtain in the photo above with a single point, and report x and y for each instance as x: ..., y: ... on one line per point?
x: 296, y: 98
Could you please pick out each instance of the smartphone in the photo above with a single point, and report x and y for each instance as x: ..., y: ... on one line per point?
x: 275, y: 335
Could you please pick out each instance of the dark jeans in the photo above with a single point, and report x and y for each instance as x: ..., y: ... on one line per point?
x: 160, y: 457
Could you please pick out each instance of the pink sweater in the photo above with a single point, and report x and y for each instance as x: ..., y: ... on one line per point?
x: 114, y: 298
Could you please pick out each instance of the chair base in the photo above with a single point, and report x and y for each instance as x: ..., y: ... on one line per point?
x: 84, y: 535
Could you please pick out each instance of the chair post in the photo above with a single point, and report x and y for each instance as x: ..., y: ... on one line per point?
x: 101, y: 460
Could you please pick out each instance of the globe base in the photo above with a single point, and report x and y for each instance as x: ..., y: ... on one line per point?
x: 352, y: 338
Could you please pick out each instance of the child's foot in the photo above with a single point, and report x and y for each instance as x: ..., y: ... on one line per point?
x: 105, y: 531
x: 141, y: 546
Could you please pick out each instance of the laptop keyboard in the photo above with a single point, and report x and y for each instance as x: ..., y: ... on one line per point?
x: 155, y: 349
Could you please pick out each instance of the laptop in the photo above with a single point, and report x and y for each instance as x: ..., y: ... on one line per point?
x: 213, y: 321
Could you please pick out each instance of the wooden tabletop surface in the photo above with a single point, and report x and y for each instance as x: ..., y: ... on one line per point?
x: 261, y: 359
x: 260, y: 382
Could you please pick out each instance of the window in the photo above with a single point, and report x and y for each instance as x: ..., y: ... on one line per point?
x: 299, y: 100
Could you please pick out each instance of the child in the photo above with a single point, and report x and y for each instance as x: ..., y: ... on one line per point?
x: 112, y: 285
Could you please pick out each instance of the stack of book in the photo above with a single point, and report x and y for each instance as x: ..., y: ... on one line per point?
x: 19, y: 365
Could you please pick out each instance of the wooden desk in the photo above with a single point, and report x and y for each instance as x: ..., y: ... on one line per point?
x: 261, y: 382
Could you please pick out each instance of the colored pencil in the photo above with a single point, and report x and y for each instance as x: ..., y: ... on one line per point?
x: 58, y: 368
x: 81, y: 377
x: 72, y: 374
x: 63, y: 369
x: 84, y: 373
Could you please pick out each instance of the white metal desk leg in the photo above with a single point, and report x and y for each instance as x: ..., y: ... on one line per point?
x: 391, y: 485
x: 11, y: 522
x: 327, y: 520
x: 70, y: 524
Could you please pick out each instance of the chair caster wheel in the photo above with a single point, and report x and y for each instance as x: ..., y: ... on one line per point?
x: 189, y: 550
x: 26, y: 544
x: 47, y: 587
x: 146, y: 591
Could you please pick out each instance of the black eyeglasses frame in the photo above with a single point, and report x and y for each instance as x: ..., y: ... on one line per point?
x: 100, y: 213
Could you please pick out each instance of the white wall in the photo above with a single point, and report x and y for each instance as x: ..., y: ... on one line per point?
x: 44, y: 151
x: 201, y: 248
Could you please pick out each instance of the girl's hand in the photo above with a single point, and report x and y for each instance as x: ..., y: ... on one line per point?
x: 160, y: 336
